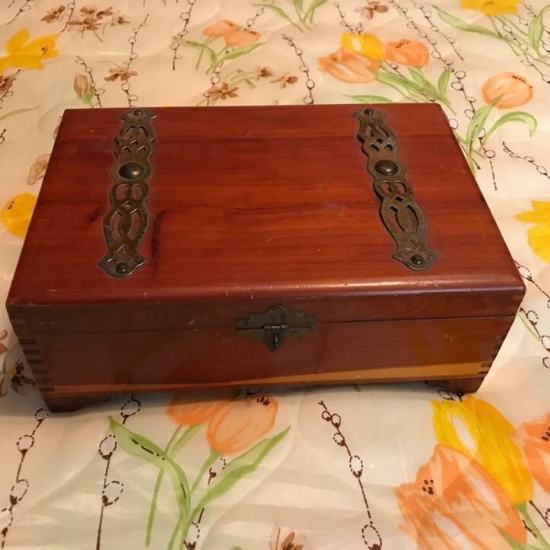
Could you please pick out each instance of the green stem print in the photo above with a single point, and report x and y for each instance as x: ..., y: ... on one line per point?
x: 214, y: 59
x: 17, y: 112
x: 173, y: 446
x: 141, y: 447
x: 231, y: 474
x: 298, y: 13
x: 234, y: 428
x: 524, y: 512
x: 525, y: 42
x: 184, y: 523
x: 416, y: 88
x: 479, y: 131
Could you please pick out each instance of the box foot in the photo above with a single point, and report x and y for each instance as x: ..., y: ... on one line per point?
x: 71, y: 403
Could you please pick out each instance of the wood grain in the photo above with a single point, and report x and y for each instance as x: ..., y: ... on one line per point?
x: 249, y: 208
x: 360, y: 351
x: 266, y: 204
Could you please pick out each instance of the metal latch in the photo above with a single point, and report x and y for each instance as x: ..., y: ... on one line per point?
x: 275, y: 325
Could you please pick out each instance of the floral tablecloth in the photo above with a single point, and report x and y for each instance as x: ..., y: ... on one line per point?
x: 382, y: 466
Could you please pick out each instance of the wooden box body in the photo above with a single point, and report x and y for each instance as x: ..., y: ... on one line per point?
x: 251, y: 208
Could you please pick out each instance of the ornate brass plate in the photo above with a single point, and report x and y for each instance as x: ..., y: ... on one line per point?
x: 126, y: 220
x: 401, y: 214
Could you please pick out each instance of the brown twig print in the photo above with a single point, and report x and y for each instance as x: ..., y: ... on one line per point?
x: 185, y: 16
x: 531, y: 318
x: 370, y: 534
x: 194, y: 533
x: 540, y: 169
x: 250, y: 22
x: 97, y: 92
x: 24, y: 7
x: 428, y: 16
x: 310, y: 84
x: 545, y: 516
x: 358, y: 29
x: 525, y: 272
x: 71, y: 7
x: 20, y: 486
x: 124, y: 72
x: 112, y: 489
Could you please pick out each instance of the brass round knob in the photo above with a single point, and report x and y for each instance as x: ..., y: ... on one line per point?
x: 131, y: 170
x: 386, y: 167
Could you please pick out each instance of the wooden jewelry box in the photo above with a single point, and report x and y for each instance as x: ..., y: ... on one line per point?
x: 176, y: 248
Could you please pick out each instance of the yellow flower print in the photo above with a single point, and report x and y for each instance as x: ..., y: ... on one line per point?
x: 17, y: 212
x: 366, y: 44
x: 23, y: 54
x: 491, y: 7
x: 539, y: 236
x: 478, y: 430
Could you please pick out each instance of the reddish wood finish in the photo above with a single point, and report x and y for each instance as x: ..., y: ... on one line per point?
x: 252, y: 207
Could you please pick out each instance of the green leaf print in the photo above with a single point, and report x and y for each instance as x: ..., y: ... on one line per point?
x: 199, y: 46
x: 476, y: 125
x: 443, y: 81
x: 536, y: 29
x: 239, y: 467
x: 517, y: 116
x: 462, y: 26
x: 237, y: 52
x: 235, y: 470
x: 370, y: 99
x: 17, y: 112
x: 141, y: 447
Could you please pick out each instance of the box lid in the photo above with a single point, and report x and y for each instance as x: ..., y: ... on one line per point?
x: 254, y: 206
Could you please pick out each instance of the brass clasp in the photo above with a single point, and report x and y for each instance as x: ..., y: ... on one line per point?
x: 275, y: 325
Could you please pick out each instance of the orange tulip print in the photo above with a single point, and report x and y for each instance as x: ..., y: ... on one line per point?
x: 349, y: 66
x: 232, y: 33
x: 454, y: 503
x: 408, y: 52
x: 221, y: 28
x: 192, y: 413
x: 508, y: 90
x: 534, y: 441
x: 242, y: 37
x: 241, y: 423
x: 363, y: 58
